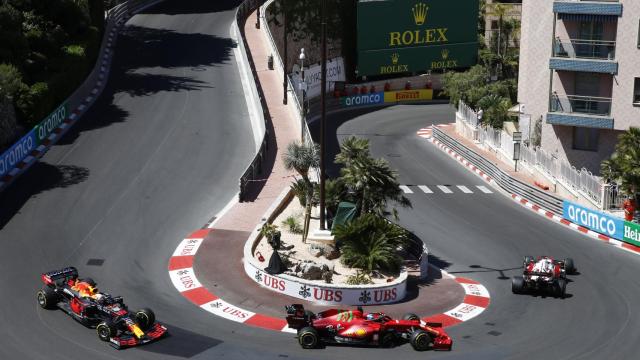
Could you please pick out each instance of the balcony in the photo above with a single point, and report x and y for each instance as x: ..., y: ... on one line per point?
x: 584, y: 49
x: 612, y: 7
x: 584, y: 111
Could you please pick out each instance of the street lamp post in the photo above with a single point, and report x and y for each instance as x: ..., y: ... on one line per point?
x: 303, y: 89
x: 323, y: 90
x: 285, y: 57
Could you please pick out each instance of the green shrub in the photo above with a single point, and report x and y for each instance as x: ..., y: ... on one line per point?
x: 34, y: 103
x: 10, y: 81
x: 360, y: 278
x: 292, y: 224
x: 371, y: 243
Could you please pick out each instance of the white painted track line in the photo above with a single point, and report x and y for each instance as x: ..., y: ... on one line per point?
x: 484, y: 189
x: 445, y: 189
x: 425, y: 189
x: 464, y: 189
x: 406, y: 189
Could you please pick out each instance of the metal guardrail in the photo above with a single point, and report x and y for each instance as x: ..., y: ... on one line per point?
x: 255, y: 168
x: 592, y: 105
x: 585, y: 49
x: 506, y: 182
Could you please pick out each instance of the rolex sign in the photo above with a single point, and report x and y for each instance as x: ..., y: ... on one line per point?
x: 405, y: 36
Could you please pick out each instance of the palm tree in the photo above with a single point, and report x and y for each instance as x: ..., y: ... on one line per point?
x: 301, y: 158
x: 371, y: 243
x: 372, y: 182
x: 499, y: 10
x: 623, y: 167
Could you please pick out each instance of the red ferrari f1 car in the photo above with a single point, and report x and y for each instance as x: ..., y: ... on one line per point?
x: 108, y: 314
x: 357, y: 327
x: 543, y: 274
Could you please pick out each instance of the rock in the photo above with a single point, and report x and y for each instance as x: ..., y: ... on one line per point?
x: 286, y: 247
x: 316, y: 250
x: 331, y: 253
x: 310, y: 270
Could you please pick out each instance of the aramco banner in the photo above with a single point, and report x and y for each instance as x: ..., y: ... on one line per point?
x: 405, y: 36
x: 594, y: 220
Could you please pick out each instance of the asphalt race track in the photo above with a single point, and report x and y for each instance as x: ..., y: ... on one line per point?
x: 160, y: 154
x: 484, y: 237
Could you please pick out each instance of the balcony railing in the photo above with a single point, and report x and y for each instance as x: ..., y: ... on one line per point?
x: 577, y: 104
x: 584, y: 49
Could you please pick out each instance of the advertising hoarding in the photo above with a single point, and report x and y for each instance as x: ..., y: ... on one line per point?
x: 401, y: 36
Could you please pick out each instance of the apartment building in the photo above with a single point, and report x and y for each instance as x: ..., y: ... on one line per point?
x: 580, y: 75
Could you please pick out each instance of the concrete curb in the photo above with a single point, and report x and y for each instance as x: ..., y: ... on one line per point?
x: 183, y: 277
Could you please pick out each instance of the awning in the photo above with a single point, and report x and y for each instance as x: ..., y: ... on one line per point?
x: 587, y: 17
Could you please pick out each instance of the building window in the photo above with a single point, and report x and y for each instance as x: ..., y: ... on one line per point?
x: 585, y: 139
x: 494, y: 24
x: 636, y: 91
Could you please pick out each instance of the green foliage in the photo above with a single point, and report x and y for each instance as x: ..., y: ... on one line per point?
x: 370, y: 243
x: 468, y: 86
x: 497, y: 110
x: 623, y: 167
x: 371, y: 182
x: 53, y: 45
x: 10, y: 81
x: 334, y: 192
x: 300, y: 157
x: 291, y: 223
x: 34, y: 103
x: 360, y: 278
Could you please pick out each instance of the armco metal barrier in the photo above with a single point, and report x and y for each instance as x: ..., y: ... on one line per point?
x: 255, y: 168
x: 506, y: 182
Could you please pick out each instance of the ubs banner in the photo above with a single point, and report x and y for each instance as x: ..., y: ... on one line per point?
x: 399, y: 36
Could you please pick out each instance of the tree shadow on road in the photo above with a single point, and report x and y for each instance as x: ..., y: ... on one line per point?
x: 143, y: 47
x: 40, y: 178
x: 192, y: 7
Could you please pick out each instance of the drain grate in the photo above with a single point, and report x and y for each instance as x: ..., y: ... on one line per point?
x: 95, y: 262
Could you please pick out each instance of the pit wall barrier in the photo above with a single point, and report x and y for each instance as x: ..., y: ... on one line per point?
x: 23, y: 154
x: 316, y: 291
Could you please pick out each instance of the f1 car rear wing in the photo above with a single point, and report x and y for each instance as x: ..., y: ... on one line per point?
x: 51, y: 276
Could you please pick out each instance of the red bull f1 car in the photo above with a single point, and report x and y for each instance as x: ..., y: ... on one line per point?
x: 360, y: 328
x: 107, y: 314
x: 543, y: 275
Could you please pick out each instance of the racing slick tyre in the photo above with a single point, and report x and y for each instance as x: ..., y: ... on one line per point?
x: 410, y: 316
x: 517, y: 284
x: 420, y: 340
x: 308, y: 338
x: 569, y: 267
x: 560, y: 288
x: 47, y: 298
x: 527, y: 260
x: 145, y: 318
x: 106, y: 330
x: 388, y: 339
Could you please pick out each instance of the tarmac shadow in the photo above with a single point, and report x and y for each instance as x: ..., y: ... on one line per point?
x: 181, y: 343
